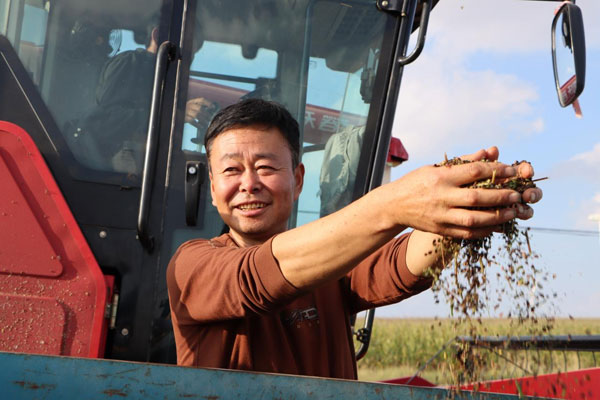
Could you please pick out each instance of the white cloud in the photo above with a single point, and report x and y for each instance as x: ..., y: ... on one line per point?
x: 529, y: 127
x: 590, y: 158
x: 584, y: 165
x: 444, y: 101
x: 506, y: 26
x: 443, y: 106
x: 591, y: 13
x: 490, y: 25
x: 594, y: 209
x: 582, y: 212
x: 578, y: 179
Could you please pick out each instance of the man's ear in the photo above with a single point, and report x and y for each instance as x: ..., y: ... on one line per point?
x: 212, y: 188
x: 298, y: 180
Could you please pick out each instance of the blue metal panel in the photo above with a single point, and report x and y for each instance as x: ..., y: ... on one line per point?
x: 25, y: 376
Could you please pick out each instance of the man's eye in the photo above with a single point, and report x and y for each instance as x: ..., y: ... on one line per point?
x: 230, y: 170
x: 265, y: 168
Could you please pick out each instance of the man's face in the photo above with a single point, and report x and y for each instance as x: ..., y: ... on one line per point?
x: 253, y: 183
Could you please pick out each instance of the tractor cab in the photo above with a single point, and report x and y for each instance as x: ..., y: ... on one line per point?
x: 104, y: 89
x: 108, y: 93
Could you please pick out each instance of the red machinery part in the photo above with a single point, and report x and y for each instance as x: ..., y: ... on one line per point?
x: 410, y: 381
x: 397, y: 153
x: 52, y: 292
x: 568, y: 89
x: 583, y: 384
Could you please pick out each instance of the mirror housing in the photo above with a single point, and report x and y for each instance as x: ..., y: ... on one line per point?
x: 568, y: 53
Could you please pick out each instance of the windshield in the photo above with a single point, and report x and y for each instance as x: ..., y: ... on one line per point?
x: 93, y: 65
x: 318, y: 58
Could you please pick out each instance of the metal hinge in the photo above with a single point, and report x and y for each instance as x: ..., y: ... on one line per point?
x: 110, y: 311
x: 363, y: 335
x: 391, y: 6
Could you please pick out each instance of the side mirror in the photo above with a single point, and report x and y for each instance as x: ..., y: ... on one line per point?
x: 568, y: 53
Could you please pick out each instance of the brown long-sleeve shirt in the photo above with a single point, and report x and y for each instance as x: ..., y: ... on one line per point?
x: 232, y: 308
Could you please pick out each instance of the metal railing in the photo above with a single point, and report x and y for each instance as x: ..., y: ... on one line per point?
x: 510, y: 357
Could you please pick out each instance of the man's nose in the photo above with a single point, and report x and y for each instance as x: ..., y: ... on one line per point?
x: 250, y: 182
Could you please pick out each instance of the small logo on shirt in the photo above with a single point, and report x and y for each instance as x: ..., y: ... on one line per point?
x: 298, y: 317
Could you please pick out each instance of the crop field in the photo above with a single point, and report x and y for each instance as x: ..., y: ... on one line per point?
x: 399, y: 347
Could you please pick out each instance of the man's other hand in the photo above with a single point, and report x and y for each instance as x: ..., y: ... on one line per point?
x: 200, y: 111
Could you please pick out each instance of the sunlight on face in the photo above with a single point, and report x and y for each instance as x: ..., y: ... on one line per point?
x: 253, y: 183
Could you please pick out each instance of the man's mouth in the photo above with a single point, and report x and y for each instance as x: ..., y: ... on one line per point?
x: 251, y: 206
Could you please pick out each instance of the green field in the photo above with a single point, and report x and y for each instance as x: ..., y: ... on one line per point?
x: 400, y: 346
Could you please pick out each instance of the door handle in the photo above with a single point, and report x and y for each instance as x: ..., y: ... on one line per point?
x: 194, y: 178
x: 363, y: 335
x: 167, y: 52
x: 425, y: 11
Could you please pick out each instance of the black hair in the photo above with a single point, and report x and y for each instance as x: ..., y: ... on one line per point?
x: 256, y: 112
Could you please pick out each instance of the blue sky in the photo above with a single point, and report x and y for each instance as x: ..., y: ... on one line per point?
x: 485, y: 78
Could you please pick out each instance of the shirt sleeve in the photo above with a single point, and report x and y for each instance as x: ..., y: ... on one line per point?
x: 383, y: 278
x: 209, y: 282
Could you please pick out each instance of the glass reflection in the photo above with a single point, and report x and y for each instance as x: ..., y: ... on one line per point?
x: 564, y: 59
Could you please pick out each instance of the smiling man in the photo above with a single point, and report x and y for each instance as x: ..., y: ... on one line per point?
x: 253, y: 182
x: 266, y: 298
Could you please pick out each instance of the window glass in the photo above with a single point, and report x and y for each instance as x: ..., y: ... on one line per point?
x: 333, y: 129
x: 317, y: 58
x: 31, y: 34
x: 4, y: 9
x: 221, y: 74
x: 339, y: 90
x: 122, y: 41
x: 93, y: 63
x: 35, y: 17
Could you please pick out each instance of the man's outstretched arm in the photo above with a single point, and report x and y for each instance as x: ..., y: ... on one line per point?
x: 432, y: 200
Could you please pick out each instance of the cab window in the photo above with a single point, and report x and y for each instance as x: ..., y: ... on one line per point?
x: 222, y: 74
x: 93, y: 65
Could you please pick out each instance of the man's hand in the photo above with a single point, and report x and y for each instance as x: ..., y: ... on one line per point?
x: 524, y: 170
x: 435, y: 199
x: 464, y: 222
x: 199, y: 112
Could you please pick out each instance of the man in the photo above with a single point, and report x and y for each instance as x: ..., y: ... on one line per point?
x: 113, y: 133
x: 266, y: 298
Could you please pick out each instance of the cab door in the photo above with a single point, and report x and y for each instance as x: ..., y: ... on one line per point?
x: 78, y: 76
x: 90, y: 87
x: 326, y: 61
